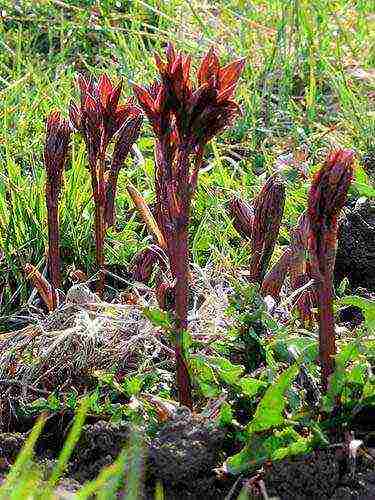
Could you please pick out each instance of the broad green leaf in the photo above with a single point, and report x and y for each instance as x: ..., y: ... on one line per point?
x: 250, y: 386
x: 269, y: 412
x: 208, y: 390
x: 306, y: 346
x: 358, y: 373
x: 226, y: 370
x: 158, y: 317
x: 226, y: 414
x: 275, y: 447
x: 339, y: 377
x: 364, y: 189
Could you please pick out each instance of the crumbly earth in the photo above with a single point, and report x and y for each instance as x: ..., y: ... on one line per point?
x: 355, y: 257
x: 98, y: 446
x: 184, y: 455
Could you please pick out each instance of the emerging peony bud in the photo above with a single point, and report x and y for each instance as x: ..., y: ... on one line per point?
x: 268, y: 213
x: 55, y: 151
x: 326, y: 199
x: 242, y: 217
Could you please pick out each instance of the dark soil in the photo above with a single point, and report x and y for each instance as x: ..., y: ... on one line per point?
x: 355, y: 257
x: 185, y: 456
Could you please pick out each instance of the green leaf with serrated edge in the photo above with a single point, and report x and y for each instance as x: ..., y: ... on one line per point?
x: 250, y: 386
x: 367, y: 307
x: 269, y: 412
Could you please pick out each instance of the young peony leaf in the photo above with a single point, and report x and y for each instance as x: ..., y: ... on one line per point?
x: 226, y: 414
x: 259, y: 449
x: 269, y: 412
x: 250, y: 386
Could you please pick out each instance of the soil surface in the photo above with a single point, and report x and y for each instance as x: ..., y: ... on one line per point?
x: 355, y: 257
x: 186, y: 455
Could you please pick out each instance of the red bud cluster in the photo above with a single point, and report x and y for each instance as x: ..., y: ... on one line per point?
x: 327, y: 197
x: 185, y: 114
x: 55, y: 152
x: 99, y: 118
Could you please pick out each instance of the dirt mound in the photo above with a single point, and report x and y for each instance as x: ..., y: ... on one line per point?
x: 355, y: 257
x: 183, y: 457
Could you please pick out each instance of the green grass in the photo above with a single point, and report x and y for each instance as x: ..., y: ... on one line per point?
x: 298, y: 93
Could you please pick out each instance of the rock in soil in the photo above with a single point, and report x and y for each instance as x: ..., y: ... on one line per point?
x: 313, y: 476
x: 355, y: 257
x: 10, y: 446
x: 98, y: 446
x: 183, y: 457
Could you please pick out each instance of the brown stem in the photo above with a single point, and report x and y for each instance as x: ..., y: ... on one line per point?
x: 97, y: 182
x: 174, y: 206
x: 327, y: 342
x: 110, y: 195
x: 53, y: 245
x: 181, y: 309
x: 275, y: 278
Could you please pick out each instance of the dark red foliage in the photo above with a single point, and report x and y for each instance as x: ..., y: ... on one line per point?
x: 99, y: 115
x: 55, y: 152
x: 184, y: 114
x: 127, y: 136
x: 242, y: 216
x: 268, y: 213
x: 145, y: 261
x: 327, y: 197
x: 199, y: 111
x: 99, y: 118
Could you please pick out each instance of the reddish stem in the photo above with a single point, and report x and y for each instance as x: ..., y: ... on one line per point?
x: 97, y: 182
x: 327, y: 343
x: 175, y: 223
x: 53, y: 242
x: 181, y: 273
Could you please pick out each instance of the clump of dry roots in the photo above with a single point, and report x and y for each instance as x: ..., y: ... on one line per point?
x: 61, y: 350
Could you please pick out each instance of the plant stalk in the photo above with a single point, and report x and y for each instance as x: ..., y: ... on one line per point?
x: 327, y: 343
x: 53, y: 245
x: 181, y: 310
x: 97, y: 182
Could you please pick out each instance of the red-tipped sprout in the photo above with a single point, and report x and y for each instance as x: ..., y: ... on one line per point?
x: 327, y: 197
x: 55, y: 152
x: 268, y: 213
x: 100, y: 118
x: 185, y: 115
